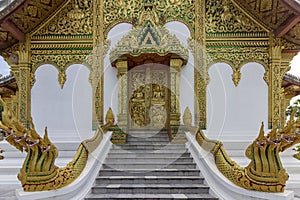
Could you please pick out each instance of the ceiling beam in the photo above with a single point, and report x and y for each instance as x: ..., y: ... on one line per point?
x: 14, y: 30
x: 287, y: 25
x: 293, y: 5
x: 4, y: 44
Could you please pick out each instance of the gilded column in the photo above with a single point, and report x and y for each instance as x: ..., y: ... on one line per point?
x: 122, y: 67
x: 97, y: 68
x: 200, y: 65
x: 286, y: 96
x: 279, y: 65
x: 21, y: 72
x: 175, y: 65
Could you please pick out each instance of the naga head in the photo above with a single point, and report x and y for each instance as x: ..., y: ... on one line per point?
x: 265, y: 165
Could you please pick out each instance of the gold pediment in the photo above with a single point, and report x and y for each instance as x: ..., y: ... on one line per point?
x: 225, y: 17
x: 149, y: 39
x: 74, y: 18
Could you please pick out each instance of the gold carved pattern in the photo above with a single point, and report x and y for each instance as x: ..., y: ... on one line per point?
x: 149, y: 94
x: 131, y: 11
x: 149, y: 39
x: 99, y: 47
x: 237, y: 57
x: 33, y: 13
x: 197, y: 45
x: 265, y: 171
x: 75, y: 18
x: 270, y: 12
x: 39, y: 172
x: 224, y: 17
x: 60, y: 61
x: 294, y: 34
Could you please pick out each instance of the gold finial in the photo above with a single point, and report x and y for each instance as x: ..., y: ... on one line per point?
x: 261, y: 132
x: 236, y: 77
x: 187, y: 117
x: 109, y: 118
x: 62, y: 77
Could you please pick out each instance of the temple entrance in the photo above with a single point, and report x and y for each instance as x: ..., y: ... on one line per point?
x: 149, y: 97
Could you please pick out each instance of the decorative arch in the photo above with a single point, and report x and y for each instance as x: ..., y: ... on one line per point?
x: 66, y: 111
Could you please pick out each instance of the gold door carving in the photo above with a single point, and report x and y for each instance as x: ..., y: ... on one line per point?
x: 149, y: 97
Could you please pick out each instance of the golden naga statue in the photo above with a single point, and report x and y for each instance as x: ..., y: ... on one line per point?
x: 265, y: 171
x: 39, y: 172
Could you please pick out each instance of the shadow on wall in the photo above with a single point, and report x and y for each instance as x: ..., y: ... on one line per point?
x: 66, y: 112
x: 236, y: 112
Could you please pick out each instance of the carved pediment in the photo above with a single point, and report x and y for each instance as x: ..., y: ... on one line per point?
x: 222, y: 16
x: 149, y: 39
x: 75, y: 18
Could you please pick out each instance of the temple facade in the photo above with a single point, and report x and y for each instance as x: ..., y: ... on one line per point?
x: 120, y: 71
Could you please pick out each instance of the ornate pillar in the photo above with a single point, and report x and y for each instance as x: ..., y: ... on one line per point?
x: 97, y: 63
x: 286, y: 96
x: 122, y: 67
x: 200, y: 65
x: 175, y: 66
x: 21, y: 72
x: 279, y: 65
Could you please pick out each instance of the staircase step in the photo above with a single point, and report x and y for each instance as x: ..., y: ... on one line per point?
x: 150, y: 165
x: 151, y: 196
x: 147, y: 143
x: 149, y: 172
x: 136, y: 151
x: 149, y: 180
x: 126, y: 155
x: 150, y: 146
x: 146, y: 159
x: 154, y: 138
x: 150, y: 188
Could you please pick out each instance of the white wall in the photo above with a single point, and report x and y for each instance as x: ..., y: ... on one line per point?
x: 110, y: 73
x: 4, y: 67
x: 182, y: 32
x: 66, y: 112
x: 236, y: 112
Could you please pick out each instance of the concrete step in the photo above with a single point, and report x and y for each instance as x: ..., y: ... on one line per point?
x: 150, y: 188
x: 145, y: 159
x: 141, y: 150
x: 150, y: 165
x: 149, y: 172
x: 149, y: 180
x: 155, y: 154
x: 151, y: 196
x: 147, y: 143
x: 154, y: 138
x: 150, y: 146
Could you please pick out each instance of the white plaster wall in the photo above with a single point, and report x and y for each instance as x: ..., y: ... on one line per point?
x: 66, y: 112
x: 236, y: 113
x: 110, y: 73
x: 182, y: 32
x: 4, y: 67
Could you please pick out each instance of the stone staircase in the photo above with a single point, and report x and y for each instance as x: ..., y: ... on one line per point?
x: 149, y: 167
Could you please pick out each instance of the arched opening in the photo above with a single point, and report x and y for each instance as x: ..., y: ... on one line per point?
x: 236, y: 112
x: 4, y: 69
x: 110, y: 73
x: 295, y: 70
x: 182, y: 32
x: 66, y: 112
